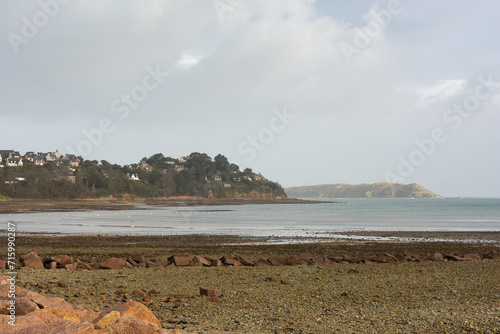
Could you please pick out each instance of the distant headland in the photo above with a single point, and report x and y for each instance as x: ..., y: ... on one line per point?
x: 365, y: 190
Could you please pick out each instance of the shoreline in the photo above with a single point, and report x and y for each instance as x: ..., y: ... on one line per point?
x: 112, y: 204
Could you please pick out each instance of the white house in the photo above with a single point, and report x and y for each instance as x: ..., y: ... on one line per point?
x: 133, y: 177
x: 14, y: 162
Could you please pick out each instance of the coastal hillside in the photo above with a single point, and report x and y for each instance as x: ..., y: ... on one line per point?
x: 365, y: 190
x: 53, y: 175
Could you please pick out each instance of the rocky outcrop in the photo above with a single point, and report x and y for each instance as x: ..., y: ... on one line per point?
x: 34, y: 314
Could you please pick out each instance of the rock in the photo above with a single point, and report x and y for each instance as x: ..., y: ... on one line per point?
x: 453, y: 257
x: 472, y: 257
x: 337, y: 259
x: 492, y: 255
x: 58, y: 327
x: 179, y: 260
x: 62, y: 259
x: 216, y: 263
x: 135, y: 309
x: 280, y: 260
x: 71, y: 266
x: 262, y: 263
x: 201, y: 260
x: 230, y: 261
x: 245, y: 261
x: 400, y: 258
x: 270, y: 279
x: 113, y: 263
x: 286, y: 281
x: 130, y: 324
x: 351, y: 259
x: 33, y: 263
x: 3, y: 264
x: 30, y: 256
x: 139, y: 293
x: 108, y: 319
x: 438, y: 257
x: 208, y: 292
x: 353, y: 271
x: 52, y: 265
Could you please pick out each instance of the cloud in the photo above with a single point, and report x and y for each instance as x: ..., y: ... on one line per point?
x: 353, y: 119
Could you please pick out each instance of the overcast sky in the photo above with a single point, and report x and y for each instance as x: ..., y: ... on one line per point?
x: 305, y: 92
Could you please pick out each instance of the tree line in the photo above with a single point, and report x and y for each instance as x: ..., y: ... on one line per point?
x: 198, y: 175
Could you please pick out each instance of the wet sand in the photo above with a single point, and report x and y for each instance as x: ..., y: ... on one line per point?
x: 64, y: 205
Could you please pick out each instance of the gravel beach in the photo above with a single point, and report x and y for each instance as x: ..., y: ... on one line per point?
x: 448, y: 297
x: 418, y: 297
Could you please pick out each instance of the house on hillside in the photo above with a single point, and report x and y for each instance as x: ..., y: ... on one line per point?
x: 0, y: 158
x: 20, y: 178
x: 145, y: 166
x: 179, y: 168
x: 51, y: 157
x: 133, y: 177
x: 30, y: 156
x: 14, y: 162
x: 217, y: 177
x: 170, y: 161
x: 14, y: 155
x: 74, y: 162
x: 38, y: 161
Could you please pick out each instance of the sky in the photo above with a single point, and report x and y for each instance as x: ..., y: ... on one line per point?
x: 304, y: 92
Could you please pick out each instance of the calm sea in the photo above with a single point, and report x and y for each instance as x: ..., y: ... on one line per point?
x: 274, y: 220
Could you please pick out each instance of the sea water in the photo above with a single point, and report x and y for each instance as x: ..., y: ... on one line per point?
x: 273, y: 220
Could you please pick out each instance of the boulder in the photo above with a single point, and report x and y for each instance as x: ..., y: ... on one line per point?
x: 216, y: 263
x: 472, y: 257
x: 296, y: 261
x: 135, y: 309
x: 114, y: 263
x: 261, y: 263
x: 34, y: 263
x: 438, y: 257
x: 286, y: 281
x: 207, y: 292
x: 245, y: 261
x: 280, y: 260
x: 230, y: 261
x: 201, y: 260
x: 62, y: 259
x: 179, y: 260
x: 71, y: 266
x: 30, y: 256
x: 108, y: 319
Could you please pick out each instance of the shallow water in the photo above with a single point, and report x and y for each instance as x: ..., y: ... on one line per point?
x: 274, y: 219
